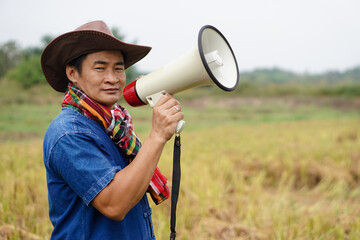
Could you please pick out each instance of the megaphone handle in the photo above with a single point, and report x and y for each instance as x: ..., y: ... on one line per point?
x: 180, y: 126
x: 154, y: 98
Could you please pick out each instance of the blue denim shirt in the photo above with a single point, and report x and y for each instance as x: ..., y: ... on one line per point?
x: 80, y: 160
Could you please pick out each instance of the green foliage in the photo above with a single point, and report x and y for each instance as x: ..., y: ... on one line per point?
x: 28, y: 72
x: 22, y: 65
x: 46, y: 39
x: 277, y: 82
x: 10, y: 55
x: 266, y: 76
x: 340, y: 90
x: 276, y: 75
x: 117, y: 33
x: 31, y: 51
x: 37, y: 50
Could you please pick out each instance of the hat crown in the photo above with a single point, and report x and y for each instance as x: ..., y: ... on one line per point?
x: 98, y: 26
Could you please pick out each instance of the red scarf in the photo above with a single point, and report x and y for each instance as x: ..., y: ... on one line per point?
x: 119, y: 127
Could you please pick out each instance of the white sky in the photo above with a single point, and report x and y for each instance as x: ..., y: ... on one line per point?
x: 296, y: 35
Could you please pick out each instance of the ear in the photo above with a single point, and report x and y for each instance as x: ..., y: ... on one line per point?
x: 72, y: 74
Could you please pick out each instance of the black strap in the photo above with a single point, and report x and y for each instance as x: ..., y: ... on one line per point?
x: 175, y: 185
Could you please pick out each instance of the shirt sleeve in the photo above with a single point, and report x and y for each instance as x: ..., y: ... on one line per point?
x: 84, y: 164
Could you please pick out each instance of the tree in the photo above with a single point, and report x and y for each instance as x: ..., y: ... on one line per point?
x: 10, y: 56
x: 28, y: 72
x: 32, y: 51
x: 46, y: 40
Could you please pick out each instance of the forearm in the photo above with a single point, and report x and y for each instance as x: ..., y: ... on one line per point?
x: 141, y: 169
x: 130, y: 184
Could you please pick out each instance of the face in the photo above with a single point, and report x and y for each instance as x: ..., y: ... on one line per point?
x: 102, y: 76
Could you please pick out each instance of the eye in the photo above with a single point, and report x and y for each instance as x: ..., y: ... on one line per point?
x: 119, y: 69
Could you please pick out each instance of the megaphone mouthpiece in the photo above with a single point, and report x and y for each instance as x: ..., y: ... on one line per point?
x: 131, y: 96
x: 214, y: 57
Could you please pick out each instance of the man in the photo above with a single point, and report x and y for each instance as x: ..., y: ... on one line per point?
x: 97, y: 174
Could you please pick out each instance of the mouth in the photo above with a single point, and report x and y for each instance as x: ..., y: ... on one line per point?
x: 111, y: 90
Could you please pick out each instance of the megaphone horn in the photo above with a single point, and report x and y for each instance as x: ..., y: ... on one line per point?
x: 210, y: 62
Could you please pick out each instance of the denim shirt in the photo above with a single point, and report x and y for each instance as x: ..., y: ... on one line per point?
x: 80, y: 160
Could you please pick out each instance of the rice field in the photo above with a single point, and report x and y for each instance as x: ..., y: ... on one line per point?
x: 252, y: 168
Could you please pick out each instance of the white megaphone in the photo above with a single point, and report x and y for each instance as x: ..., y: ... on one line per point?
x: 211, y: 62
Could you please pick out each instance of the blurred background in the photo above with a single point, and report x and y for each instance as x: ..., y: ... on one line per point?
x: 278, y: 158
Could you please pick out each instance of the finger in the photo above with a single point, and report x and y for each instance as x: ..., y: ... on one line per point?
x: 167, y: 102
x: 166, y: 97
x: 175, y: 109
x: 176, y: 113
x: 178, y: 116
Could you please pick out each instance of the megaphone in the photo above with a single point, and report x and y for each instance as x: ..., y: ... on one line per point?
x: 210, y: 62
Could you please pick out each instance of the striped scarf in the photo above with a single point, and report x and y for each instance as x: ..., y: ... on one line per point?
x: 119, y: 127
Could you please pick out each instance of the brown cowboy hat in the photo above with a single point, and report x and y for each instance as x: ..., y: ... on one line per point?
x: 90, y: 37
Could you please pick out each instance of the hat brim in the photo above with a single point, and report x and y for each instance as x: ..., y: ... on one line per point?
x: 71, y: 45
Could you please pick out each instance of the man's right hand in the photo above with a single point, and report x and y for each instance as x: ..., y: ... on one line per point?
x: 166, y: 114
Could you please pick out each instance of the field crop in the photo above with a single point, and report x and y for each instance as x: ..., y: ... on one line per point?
x: 283, y: 180
x: 252, y: 168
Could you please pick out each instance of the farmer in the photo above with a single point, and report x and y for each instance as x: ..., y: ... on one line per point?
x: 98, y: 172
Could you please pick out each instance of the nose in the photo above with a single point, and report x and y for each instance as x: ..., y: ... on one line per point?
x: 111, y: 77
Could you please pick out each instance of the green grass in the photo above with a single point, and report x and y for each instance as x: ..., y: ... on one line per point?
x: 252, y: 168
x: 27, y: 114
